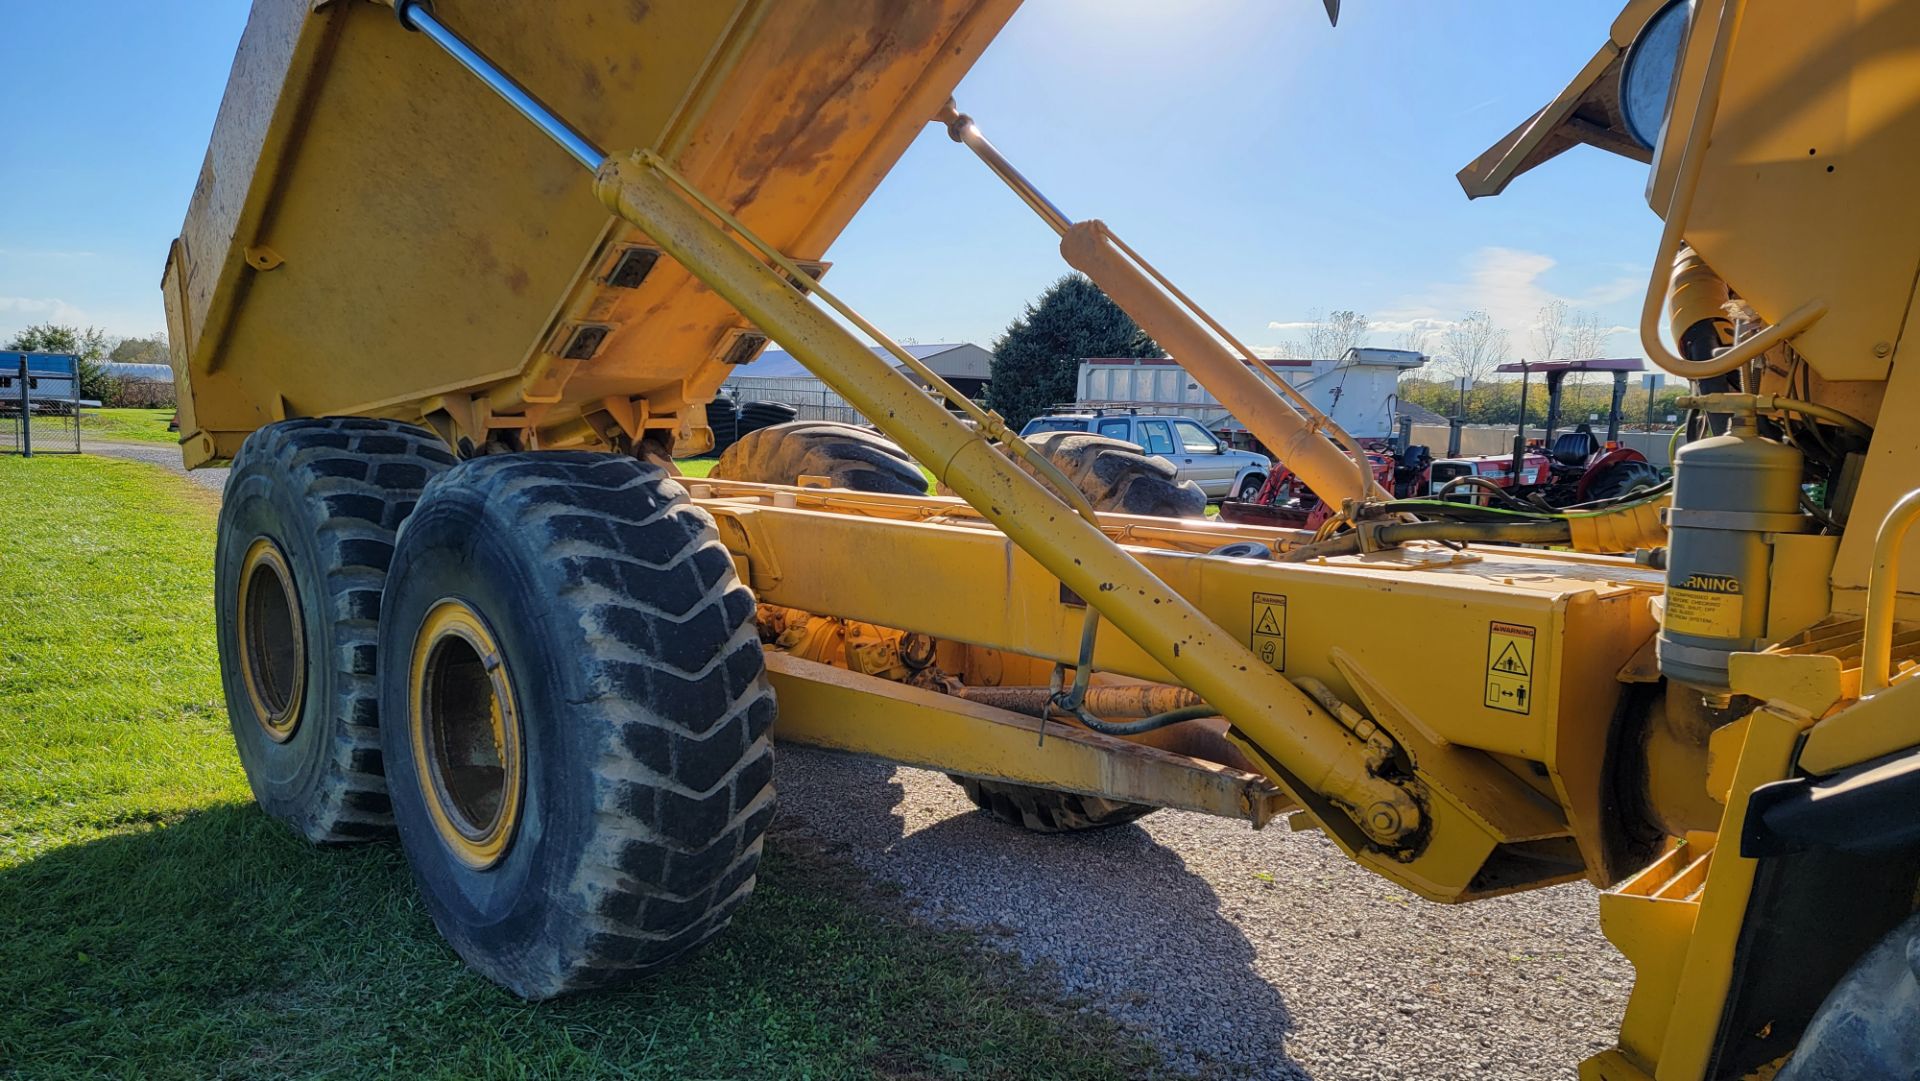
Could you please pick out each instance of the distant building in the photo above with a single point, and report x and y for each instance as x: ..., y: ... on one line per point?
x: 965, y: 365
x: 130, y: 372
x: 1359, y: 390
x: 778, y: 376
x: 1419, y: 414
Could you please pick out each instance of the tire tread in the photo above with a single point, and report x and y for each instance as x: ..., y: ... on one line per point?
x: 320, y: 457
x: 669, y: 861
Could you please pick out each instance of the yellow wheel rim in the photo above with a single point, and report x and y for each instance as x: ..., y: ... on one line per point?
x: 273, y: 645
x: 466, y: 733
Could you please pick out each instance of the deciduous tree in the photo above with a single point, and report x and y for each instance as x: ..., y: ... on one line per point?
x: 1472, y: 348
x: 1328, y: 335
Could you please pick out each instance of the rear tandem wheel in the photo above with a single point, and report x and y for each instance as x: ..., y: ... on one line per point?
x: 849, y: 457
x: 306, y: 532
x: 576, y: 719
x: 1119, y: 476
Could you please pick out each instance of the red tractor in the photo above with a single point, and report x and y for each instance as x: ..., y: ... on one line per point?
x: 1285, y: 501
x: 1564, y: 469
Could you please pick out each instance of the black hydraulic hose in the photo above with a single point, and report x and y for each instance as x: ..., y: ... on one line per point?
x: 1635, y: 496
x: 1144, y: 724
x: 1472, y: 481
x: 1522, y: 529
x: 1548, y: 531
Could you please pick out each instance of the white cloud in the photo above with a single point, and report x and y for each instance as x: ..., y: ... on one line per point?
x: 1506, y: 284
x: 41, y: 310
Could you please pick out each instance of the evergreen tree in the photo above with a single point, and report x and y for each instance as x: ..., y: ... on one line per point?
x: 1036, y: 363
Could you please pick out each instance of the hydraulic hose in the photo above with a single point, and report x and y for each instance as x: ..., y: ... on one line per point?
x: 1546, y: 531
x: 1773, y: 403
x: 1471, y: 481
x: 1145, y: 724
x: 1539, y: 529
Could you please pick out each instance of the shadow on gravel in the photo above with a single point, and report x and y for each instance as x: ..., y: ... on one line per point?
x: 1111, y: 913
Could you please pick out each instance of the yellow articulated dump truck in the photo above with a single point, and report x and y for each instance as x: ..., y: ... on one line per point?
x: 460, y: 277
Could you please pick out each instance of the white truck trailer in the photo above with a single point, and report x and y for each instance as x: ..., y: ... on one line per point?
x: 1359, y: 390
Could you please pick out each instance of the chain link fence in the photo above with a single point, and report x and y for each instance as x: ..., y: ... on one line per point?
x: 813, y: 400
x: 40, y: 405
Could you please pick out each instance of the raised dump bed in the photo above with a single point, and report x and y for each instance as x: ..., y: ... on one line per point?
x: 478, y: 611
x: 376, y: 232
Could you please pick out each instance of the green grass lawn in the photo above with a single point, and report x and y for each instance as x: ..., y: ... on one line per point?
x: 154, y: 924
x: 138, y: 425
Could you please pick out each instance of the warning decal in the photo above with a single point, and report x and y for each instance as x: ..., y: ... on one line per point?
x: 1269, y: 639
x: 1510, y: 667
x: 1708, y: 605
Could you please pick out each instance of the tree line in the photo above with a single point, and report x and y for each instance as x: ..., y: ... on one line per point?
x: 1036, y: 361
x: 1498, y: 401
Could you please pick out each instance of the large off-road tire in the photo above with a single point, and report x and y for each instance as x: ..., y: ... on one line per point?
x: 1869, y: 1025
x: 1621, y: 479
x: 577, y: 714
x: 306, y: 531
x: 850, y: 457
x: 754, y: 416
x: 723, y: 416
x: 1120, y: 477
x: 1043, y: 810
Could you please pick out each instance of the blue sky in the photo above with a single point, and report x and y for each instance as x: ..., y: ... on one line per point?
x: 1270, y: 164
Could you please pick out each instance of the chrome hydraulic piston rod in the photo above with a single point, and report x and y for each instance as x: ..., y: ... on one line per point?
x: 1313, y: 750
x: 1329, y: 460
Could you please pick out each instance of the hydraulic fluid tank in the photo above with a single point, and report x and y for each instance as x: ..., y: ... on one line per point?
x: 1729, y: 493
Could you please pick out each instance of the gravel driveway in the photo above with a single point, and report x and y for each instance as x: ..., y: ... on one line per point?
x: 160, y: 454
x: 1241, y: 954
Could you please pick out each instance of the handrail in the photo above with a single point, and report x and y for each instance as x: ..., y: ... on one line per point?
x: 1680, y: 207
x: 1883, y: 588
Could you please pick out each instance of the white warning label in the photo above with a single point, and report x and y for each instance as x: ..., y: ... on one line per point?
x: 1510, y: 667
x: 1269, y: 639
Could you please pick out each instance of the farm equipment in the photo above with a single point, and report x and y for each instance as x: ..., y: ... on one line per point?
x: 1283, y: 499
x: 460, y: 278
x: 1562, y: 469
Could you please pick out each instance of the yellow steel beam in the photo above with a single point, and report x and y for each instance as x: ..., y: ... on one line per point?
x: 1425, y: 628
x: 1426, y: 638
x: 1309, y: 745
x: 1880, y: 725
x: 1307, y: 444
x: 825, y: 706
x: 1699, y: 990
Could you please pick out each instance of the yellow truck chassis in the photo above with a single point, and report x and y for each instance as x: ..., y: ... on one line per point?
x: 377, y: 238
